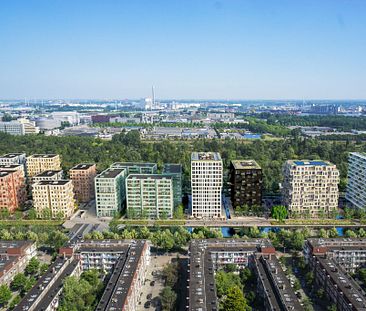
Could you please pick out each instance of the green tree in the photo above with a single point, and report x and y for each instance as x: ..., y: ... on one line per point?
x: 19, y: 282
x: 279, y: 212
x: 225, y: 281
x: 170, y: 274
x: 179, y: 212
x: 14, y: 302
x: 33, y: 266
x: 5, y: 294
x: 168, y: 298
x: 235, y: 300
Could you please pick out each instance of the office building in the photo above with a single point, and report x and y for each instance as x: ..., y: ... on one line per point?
x: 82, y: 176
x: 206, y: 184
x: 19, y: 127
x: 48, y: 175
x: 14, y: 257
x: 310, y: 188
x: 53, y: 198
x: 246, y: 181
x: 356, y: 188
x: 110, y: 191
x: 137, y: 168
x: 13, y: 158
x: 39, y: 163
x: 175, y: 170
x: 12, y: 189
x: 149, y: 196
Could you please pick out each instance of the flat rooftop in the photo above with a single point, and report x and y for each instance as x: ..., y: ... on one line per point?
x: 132, y: 164
x: 12, y: 155
x: 245, y: 164
x: 205, y: 156
x: 30, y: 299
x: 118, y: 287
x: 4, y: 173
x: 311, y: 163
x: 82, y: 166
x: 60, y: 182
x: 172, y: 168
x: 352, y: 292
x: 110, y: 173
x: 48, y: 173
x: 50, y: 155
x: 149, y: 176
x: 10, y: 166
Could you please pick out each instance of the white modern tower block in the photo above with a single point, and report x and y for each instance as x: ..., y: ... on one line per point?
x: 356, y: 188
x: 206, y: 183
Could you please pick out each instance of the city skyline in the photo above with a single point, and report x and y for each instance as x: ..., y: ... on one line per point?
x: 206, y: 49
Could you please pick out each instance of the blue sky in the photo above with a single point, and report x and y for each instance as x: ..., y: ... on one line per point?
x: 248, y: 49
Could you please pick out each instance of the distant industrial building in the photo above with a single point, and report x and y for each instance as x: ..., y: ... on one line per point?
x: 206, y: 184
x: 48, y: 175
x: 110, y: 192
x: 12, y: 189
x: 246, y: 181
x: 19, y: 127
x: 136, y: 167
x: 14, y: 257
x: 55, y: 198
x: 71, y: 117
x: 149, y: 196
x: 175, y: 170
x: 82, y: 176
x: 39, y: 163
x: 48, y: 123
x: 310, y: 188
x: 356, y: 188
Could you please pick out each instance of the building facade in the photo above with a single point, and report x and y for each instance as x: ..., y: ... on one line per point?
x: 13, y: 158
x: 39, y: 163
x: 175, y: 170
x: 110, y: 192
x: 356, y: 188
x: 19, y: 127
x: 310, y: 188
x: 246, y: 181
x: 149, y: 196
x: 12, y: 189
x: 48, y: 175
x: 53, y: 199
x: 137, y: 168
x: 206, y: 184
x: 82, y: 176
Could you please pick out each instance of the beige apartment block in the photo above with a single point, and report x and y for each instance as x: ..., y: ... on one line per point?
x: 54, y: 197
x: 82, y: 176
x: 310, y: 188
x: 38, y: 163
x: 206, y: 183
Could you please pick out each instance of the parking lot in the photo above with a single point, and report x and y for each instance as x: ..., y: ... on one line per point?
x: 154, y: 284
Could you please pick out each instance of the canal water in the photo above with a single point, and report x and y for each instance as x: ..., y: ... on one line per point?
x: 228, y: 232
